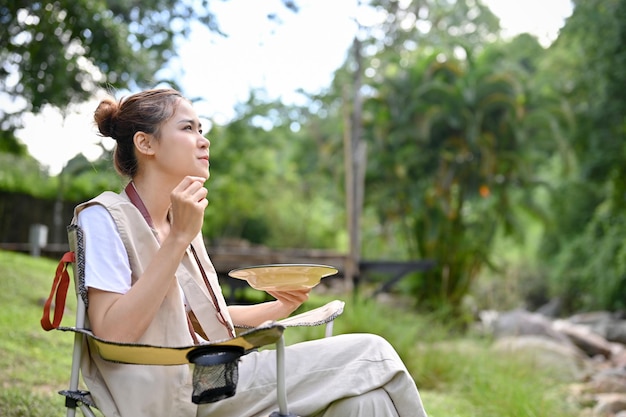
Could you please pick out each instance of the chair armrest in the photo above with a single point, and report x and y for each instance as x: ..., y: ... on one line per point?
x: 142, y: 354
x: 315, y: 317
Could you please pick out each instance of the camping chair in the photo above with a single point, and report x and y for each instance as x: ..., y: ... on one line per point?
x: 214, y: 362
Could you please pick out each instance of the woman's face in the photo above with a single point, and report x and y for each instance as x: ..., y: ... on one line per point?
x: 181, y: 149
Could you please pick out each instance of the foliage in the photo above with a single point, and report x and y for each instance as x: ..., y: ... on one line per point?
x: 424, y: 24
x: 455, y: 130
x: 588, y: 228
x: 453, y: 156
x: 259, y: 190
x: 594, y: 279
x: 464, y: 134
x: 10, y: 144
x: 24, y: 174
x: 81, y: 179
x: 59, y: 52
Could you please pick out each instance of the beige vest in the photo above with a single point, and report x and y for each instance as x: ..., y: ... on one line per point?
x: 153, y: 391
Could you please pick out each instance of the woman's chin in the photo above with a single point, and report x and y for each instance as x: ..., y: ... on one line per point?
x: 203, y: 173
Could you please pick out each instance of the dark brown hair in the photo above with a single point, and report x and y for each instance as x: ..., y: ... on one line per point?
x: 142, y: 112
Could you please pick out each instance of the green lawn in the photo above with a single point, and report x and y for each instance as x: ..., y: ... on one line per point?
x: 35, y: 364
x: 458, y: 376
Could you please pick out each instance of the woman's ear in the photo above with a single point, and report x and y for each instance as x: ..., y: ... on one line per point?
x: 143, y: 143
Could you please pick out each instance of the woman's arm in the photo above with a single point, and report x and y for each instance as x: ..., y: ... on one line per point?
x: 126, y: 317
x: 253, y: 315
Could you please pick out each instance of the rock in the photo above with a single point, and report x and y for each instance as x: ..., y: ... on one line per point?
x: 524, y: 323
x: 587, y: 350
x: 597, y: 321
x: 550, y: 309
x: 609, y: 381
x: 582, y: 336
x: 567, y: 361
x: 616, y: 331
x: 609, y: 404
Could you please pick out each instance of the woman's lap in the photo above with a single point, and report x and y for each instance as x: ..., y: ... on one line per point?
x: 319, y: 373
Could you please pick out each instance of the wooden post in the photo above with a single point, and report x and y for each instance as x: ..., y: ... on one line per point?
x: 354, y: 160
x: 37, y: 238
x: 350, y: 266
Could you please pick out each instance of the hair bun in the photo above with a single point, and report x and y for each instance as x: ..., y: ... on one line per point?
x: 105, y: 116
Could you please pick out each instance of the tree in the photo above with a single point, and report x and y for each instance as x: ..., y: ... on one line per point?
x: 586, y: 242
x: 60, y: 52
x: 422, y: 24
x: 266, y: 178
x: 453, y: 156
x: 445, y: 124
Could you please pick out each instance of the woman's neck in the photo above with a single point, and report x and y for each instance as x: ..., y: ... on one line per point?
x: 155, y: 195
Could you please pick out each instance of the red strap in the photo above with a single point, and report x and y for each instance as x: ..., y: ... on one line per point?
x: 59, y: 292
x: 134, y: 197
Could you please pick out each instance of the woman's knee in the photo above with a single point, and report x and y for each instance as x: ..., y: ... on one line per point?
x: 375, y: 344
x: 372, y: 403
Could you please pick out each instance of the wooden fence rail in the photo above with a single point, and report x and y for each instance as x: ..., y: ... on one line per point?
x: 225, y: 258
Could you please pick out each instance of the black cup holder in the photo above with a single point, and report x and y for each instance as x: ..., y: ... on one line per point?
x: 216, y: 372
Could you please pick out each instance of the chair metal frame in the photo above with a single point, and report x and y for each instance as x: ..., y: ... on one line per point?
x: 73, y: 396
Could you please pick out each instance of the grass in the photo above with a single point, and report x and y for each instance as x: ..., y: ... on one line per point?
x: 35, y: 364
x: 458, y: 374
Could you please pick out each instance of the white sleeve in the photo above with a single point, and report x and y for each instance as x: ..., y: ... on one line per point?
x: 106, y: 262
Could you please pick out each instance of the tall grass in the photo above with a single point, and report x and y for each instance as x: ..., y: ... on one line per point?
x: 458, y: 374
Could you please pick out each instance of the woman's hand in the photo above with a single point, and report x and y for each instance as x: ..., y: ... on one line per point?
x: 289, y: 301
x: 253, y: 315
x: 188, y: 205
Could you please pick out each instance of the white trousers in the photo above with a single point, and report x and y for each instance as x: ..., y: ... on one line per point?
x: 341, y: 376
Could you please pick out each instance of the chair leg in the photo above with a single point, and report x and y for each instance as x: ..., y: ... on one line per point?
x: 281, y: 389
x: 328, y: 331
x: 76, y: 355
x: 74, y: 397
x: 78, y: 399
x: 86, y: 410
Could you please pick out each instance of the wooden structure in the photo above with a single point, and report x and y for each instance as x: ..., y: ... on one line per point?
x: 229, y: 255
x: 226, y: 258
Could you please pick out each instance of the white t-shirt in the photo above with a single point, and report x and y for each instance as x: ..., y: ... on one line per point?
x: 106, y: 263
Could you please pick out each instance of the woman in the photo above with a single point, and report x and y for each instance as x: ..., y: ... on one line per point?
x: 148, y: 278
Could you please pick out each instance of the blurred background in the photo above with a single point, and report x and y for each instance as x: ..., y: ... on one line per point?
x: 465, y: 154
